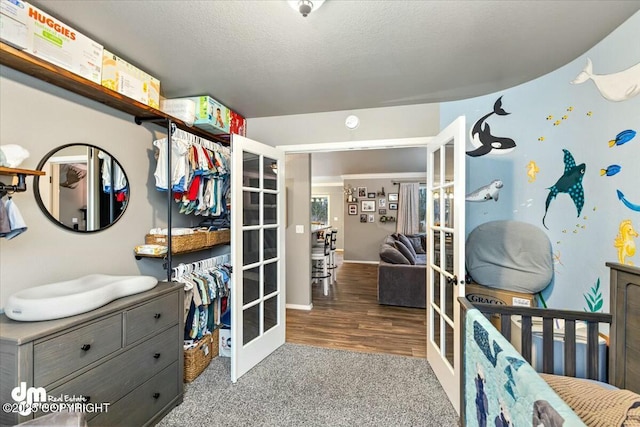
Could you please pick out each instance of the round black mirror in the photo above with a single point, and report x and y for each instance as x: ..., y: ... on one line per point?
x: 84, y: 189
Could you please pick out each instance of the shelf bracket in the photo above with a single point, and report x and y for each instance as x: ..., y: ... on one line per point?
x: 20, y: 187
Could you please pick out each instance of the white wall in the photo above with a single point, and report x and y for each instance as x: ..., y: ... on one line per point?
x: 40, y: 117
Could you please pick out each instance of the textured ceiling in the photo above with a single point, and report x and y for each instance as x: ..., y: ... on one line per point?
x: 261, y: 58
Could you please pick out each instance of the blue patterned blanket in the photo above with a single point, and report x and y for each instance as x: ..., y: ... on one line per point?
x: 501, y: 388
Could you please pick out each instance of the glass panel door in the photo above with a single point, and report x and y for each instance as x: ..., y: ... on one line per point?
x: 445, y: 264
x: 257, y: 236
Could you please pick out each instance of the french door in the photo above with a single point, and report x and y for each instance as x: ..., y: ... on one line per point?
x: 257, y: 253
x: 445, y: 254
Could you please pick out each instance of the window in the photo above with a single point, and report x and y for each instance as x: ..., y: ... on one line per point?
x: 320, y: 209
x: 422, y: 209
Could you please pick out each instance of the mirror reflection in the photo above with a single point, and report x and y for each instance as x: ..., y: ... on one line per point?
x: 84, y: 189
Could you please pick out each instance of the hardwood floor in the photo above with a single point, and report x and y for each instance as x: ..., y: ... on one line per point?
x: 350, y: 317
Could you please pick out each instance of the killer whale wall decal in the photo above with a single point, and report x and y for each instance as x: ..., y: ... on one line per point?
x: 481, y: 136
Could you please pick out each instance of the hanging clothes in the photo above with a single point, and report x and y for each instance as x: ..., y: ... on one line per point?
x: 17, y: 225
x: 205, y: 282
x: 200, y: 175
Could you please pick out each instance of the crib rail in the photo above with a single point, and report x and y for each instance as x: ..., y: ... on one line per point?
x: 570, y: 317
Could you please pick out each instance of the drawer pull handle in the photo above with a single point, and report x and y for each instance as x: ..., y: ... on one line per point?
x: 85, y: 347
x: 156, y: 395
x: 156, y: 356
x: 157, y: 315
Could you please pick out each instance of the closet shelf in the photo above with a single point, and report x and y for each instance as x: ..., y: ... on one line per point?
x: 14, y: 171
x: 22, y: 183
x: 180, y: 252
x: 57, y: 76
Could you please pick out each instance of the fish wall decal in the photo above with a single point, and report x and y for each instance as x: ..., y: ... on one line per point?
x: 486, y: 192
x: 627, y: 203
x: 615, y: 87
x: 622, y: 137
x: 570, y: 182
x: 481, y: 136
x: 610, y: 170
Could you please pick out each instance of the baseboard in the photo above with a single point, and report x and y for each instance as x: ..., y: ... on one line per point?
x: 360, y: 262
x: 299, y: 306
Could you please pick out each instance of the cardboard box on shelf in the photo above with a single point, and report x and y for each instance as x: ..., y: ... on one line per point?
x: 183, y: 109
x: 483, y: 294
x: 128, y: 80
x: 211, y: 115
x: 50, y: 39
x: 238, y: 124
x: 13, y: 23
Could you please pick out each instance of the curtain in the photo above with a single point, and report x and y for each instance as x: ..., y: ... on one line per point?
x: 408, y: 208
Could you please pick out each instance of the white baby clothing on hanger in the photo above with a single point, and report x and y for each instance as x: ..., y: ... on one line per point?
x: 16, y: 222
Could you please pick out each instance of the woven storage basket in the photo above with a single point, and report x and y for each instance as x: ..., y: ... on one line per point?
x: 218, y: 237
x: 197, y: 359
x: 182, y: 243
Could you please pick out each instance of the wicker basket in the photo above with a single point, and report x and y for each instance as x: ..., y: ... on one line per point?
x: 218, y: 237
x: 181, y: 243
x: 197, y: 359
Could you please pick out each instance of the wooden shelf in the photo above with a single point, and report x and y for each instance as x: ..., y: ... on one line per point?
x: 14, y: 171
x: 188, y: 251
x: 57, y: 76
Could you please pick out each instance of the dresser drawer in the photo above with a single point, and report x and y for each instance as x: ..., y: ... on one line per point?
x: 143, y: 403
x: 57, y: 357
x: 132, y: 368
x: 150, y: 317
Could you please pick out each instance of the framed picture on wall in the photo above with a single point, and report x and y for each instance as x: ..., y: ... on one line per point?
x: 353, y: 209
x: 382, y: 203
x: 371, y: 195
x: 372, y: 218
x: 362, y: 191
x: 363, y: 217
x: 393, y: 206
x: 368, y: 206
x: 393, y: 197
x: 382, y: 211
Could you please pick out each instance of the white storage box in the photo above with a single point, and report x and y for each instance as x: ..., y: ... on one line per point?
x: 13, y: 23
x: 225, y: 342
x: 183, y: 109
x: 558, y: 347
x: 129, y: 80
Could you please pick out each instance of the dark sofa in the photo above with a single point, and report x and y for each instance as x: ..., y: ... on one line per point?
x: 402, y: 271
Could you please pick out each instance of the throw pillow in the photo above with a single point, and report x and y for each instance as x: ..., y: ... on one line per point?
x: 416, y: 243
x: 405, y: 241
x: 408, y: 253
x: 392, y: 255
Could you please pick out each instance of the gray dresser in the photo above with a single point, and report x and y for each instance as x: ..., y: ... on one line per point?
x: 127, y: 353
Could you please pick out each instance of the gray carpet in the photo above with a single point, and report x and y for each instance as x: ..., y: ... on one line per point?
x: 300, y: 385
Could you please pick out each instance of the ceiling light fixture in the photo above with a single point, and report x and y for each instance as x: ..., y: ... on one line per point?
x: 305, y: 7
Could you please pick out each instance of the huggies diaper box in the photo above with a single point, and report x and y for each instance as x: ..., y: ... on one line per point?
x: 128, y: 80
x: 52, y: 40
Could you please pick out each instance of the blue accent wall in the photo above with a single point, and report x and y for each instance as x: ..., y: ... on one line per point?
x: 550, y: 114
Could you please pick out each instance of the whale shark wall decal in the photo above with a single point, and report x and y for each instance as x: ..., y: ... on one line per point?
x: 482, y: 139
x: 616, y: 87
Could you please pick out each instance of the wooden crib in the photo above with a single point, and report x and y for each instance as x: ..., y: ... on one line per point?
x: 623, y: 360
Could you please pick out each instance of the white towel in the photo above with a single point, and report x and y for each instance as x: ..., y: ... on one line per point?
x: 16, y: 222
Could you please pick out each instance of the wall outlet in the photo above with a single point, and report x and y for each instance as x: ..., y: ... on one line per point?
x: 335, y: 218
x: 300, y: 229
x: 74, y: 220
